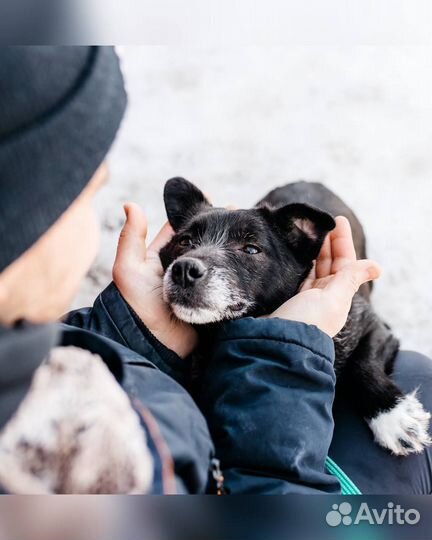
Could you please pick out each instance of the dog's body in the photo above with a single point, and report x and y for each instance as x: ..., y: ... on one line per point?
x: 224, y: 264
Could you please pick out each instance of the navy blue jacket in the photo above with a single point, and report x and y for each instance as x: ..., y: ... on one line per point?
x: 266, y: 397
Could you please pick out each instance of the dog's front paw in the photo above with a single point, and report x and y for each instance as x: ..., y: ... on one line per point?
x: 404, y: 429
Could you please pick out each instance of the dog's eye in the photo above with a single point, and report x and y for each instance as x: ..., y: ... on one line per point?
x: 250, y: 249
x: 186, y: 241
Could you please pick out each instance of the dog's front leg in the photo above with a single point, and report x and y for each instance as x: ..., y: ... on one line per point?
x: 398, y: 421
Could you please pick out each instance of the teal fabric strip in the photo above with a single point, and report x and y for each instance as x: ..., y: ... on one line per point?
x: 347, y: 485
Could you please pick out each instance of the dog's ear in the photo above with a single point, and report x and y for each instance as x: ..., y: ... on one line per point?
x: 182, y: 200
x: 303, y: 227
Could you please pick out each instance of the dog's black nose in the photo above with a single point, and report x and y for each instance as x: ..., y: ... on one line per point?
x: 186, y: 272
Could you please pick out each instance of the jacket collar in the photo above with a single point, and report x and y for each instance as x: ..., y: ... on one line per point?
x: 22, y: 349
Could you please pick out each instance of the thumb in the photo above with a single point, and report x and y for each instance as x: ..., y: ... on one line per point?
x: 347, y: 281
x: 131, y: 244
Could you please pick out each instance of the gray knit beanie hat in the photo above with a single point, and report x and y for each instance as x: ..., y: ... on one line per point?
x: 60, y: 109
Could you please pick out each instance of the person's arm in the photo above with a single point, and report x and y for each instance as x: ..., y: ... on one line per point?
x: 267, y: 396
x: 112, y: 317
x: 131, y: 310
x: 176, y: 429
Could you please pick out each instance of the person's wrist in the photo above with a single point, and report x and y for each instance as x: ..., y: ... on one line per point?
x: 310, y: 321
x: 168, y: 336
x: 175, y: 339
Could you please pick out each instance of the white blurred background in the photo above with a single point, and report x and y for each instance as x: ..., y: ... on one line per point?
x: 258, y: 22
x: 239, y: 121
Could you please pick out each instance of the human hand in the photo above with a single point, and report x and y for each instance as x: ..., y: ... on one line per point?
x: 138, y: 274
x: 325, y: 297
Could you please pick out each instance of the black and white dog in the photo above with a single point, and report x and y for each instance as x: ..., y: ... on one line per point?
x: 225, y: 264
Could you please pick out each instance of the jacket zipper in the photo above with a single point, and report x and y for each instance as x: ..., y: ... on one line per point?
x: 217, y: 476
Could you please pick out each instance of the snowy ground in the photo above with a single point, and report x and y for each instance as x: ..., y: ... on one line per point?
x: 241, y: 121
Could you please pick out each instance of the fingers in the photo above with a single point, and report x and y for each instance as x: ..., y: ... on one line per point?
x: 346, y: 282
x: 308, y: 283
x: 337, y: 249
x: 324, y: 261
x: 162, y: 238
x: 131, y: 243
x: 342, y: 245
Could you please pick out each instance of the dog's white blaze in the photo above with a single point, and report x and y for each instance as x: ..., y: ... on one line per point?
x: 407, y: 422
x: 218, y: 299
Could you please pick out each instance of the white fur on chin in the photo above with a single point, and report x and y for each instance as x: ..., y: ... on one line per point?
x: 196, y: 315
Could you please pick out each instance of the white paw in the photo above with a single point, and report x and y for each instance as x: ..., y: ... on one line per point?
x: 404, y: 429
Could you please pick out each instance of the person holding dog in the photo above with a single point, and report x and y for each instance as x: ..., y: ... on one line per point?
x: 100, y: 403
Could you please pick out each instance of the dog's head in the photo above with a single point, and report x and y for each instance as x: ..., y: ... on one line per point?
x: 224, y: 264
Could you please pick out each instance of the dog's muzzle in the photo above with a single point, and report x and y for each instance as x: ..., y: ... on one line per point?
x: 201, y: 294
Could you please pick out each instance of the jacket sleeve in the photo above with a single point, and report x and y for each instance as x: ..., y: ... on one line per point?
x: 112, y: 317
x: 267, y: 395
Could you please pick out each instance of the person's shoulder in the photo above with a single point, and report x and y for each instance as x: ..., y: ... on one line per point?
x: 72, y: 427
